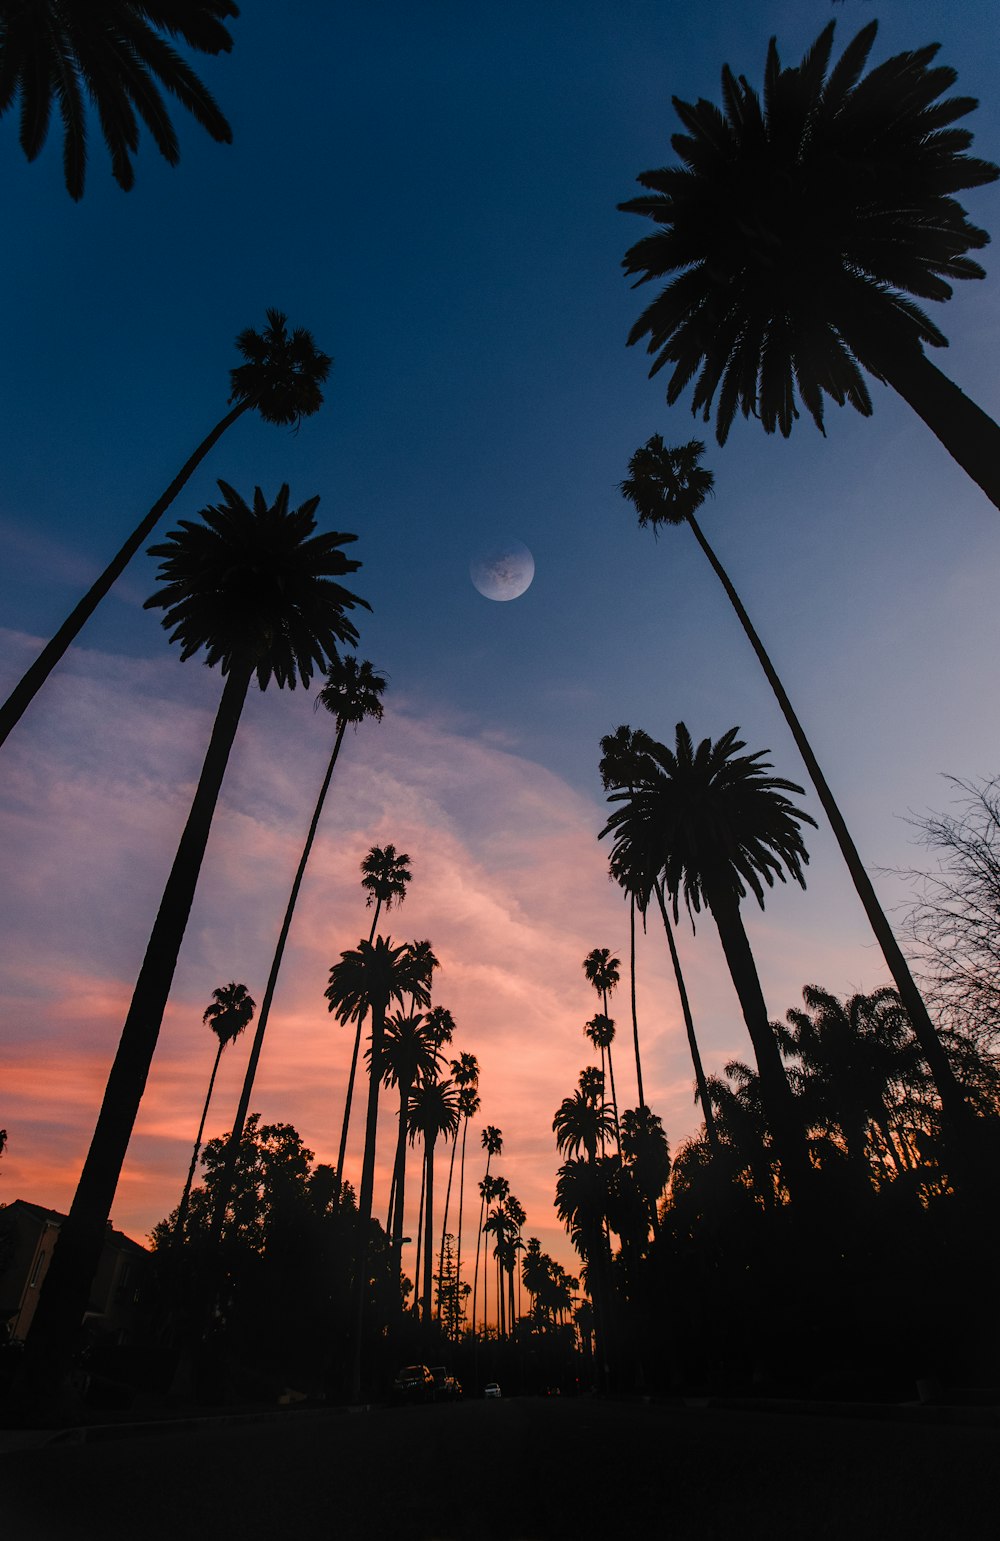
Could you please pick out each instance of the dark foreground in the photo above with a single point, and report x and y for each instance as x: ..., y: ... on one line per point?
x: 516, y: 1470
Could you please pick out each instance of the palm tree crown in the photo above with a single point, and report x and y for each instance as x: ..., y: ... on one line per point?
x: 800, y: 232
x: 256, y: 583
x: 281, y: 373
x: 746, y: 832
x: 384, y: 876
x: 231, y: 1010
x: 113, y: 53
x: 353, y: 691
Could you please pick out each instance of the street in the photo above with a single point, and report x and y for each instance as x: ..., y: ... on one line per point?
x: 515, y: 1470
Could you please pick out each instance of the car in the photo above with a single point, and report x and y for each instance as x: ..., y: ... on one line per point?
x: 491, y: 1390
x: 414, y: 1383
x: 446, y: 1387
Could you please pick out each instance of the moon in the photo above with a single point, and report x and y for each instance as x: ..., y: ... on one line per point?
x: 504, y: 571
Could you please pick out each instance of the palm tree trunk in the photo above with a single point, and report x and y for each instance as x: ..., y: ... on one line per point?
x: 365, y: 1194
x: 479, y: 1242
x: 64, y: 1293
x: 272, y: 979
x: 348, y: 1100
x: 635, y: 1019
x: 182, y: 1207
x: 420, y: 1238
x: 399, y: 1180
x: 32, y: 681
x: 953, y: 1103
x: 969, y: 434
x: 461, y: 1200
x: 428, y: 1310
x: 711, y: 1133
x: 776, y: 1094
x: 447, y: 1202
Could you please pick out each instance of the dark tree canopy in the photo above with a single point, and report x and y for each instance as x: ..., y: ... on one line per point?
x: 114, y: 56
x: 799, y: 232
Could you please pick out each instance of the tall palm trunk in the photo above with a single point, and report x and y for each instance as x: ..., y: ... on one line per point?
x: 378, y: 1009
x: 182, y: 1207
x: 461, y: 1201
x: 428, y: 1310
x: 447, y: 1202
x: 32, y: 681
x: 64, y: 1293
x: 954, y: 1106
x: 635, y: 1018
x: 420, y: 1239
x: 398, y: 1196
x: 348, y: 1100
x: 711, y: 1132
x: 776, y: 1094
x: 236, y: 1136
x: 968, y: 433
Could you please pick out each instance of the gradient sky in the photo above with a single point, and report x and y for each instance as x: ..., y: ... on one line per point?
x: 432, y: 190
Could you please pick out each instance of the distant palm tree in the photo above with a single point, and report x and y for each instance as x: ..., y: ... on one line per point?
x: 280, y: 377
x: 798, y: 235
x: 433, y: 1111
x: 257, y: 589
x: 582, y: 1122
x: 646, y: 1151
x: 603, y: 972
x: 230, y: 1012
x: 710, y: 824
x: 601, y: 1032
x: 366, y: 981
x: 410, y: 1057
x: 615, y: 746
x: 112, y: 54
x: 352, y: 692
x: 465, y: 1078
x: 468, y: 1104
x: 492, y: 1143
x: 384, y: 876
x: 667, y: 486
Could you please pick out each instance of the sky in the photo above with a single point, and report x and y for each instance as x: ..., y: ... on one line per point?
x: 433, y: 192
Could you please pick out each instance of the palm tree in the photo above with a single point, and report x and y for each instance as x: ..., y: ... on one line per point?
x: 256, y: 588
x: 433, y: 1111
x: 601, y: 1032
x: 114, y: 54
x: 352, y: 692
x: 410, y: 1057
x: 799, y: 236
x: 646, y: 1151
x: 613, y: 747
x: 280, y: 377
x: 465, y: 1078
x: 367, y: 980
x: 384, y: 876
x: 603, y: 972
x: 667, y: 486
x: 709, y: 823
x: 468, y: 1104
x: 581, y: 1121
x: 229, y: 1013
x: 492, y: 1142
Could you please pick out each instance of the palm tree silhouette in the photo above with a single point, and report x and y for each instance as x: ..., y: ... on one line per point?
x: 667, y: 486
x: 799, y: 236
x: 229, y: 1013
x: 280, y: 378
x: 384, y: 876
x: 465, y: 1078
x: 468, y: 1106
x: 709, y: 823
x: 433, y: 1111
x: 646, y: 1152
x: 492, y: 1142
x: 410, y: 1057
x: 603, y: 972
x: 112, y: 54
x: 367, y: 980
x: 613, y: 747
x: 257, y: 589
x: 352, y: 692
x: 582, y: 1121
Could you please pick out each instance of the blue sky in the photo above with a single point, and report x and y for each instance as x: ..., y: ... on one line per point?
x: 432, y: 190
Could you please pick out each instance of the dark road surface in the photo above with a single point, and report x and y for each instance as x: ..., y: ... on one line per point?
x: 515, y: 1470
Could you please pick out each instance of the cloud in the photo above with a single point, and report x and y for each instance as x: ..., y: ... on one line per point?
x: 509, y: 883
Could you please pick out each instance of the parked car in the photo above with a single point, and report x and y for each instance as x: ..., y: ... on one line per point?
x: 491, y: 1390
x: 414, y: 1383
x: 446, y: 1387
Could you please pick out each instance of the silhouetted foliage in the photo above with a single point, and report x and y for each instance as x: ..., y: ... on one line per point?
x: 113, y: 56
x: 798, y: 233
